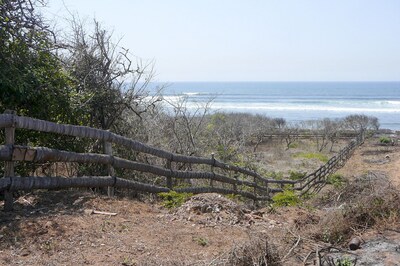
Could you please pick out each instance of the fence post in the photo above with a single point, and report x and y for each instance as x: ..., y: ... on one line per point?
x: 9, y: 166
x: 235, y: 175
x: 110, y: 168
x: 255, y: 186
x: 212, y: 169
x: 266, y: 188
x: 169, y: 179
x: 255, y: 191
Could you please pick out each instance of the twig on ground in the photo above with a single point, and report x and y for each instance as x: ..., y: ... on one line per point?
x: 318, y: 256
x: 90, y: 211
x: 27, y: 201
x: 291, y: 249
x: 306, y: 258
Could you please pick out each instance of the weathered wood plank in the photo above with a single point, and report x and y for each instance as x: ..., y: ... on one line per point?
x: 9, y: 166
x: 110, y: 168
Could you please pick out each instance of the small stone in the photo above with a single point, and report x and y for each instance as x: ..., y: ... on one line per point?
x: 88, y: 211
x: 25, y: 253
x: 48, y: 224
x: 76, y: 202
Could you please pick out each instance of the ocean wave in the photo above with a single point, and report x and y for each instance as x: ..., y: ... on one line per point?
x: 173, y: 99
x: 191, y: 93
x: 393, y: 102
x: 263, y: 107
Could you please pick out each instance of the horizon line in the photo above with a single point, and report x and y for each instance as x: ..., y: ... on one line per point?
x: 255, y: 81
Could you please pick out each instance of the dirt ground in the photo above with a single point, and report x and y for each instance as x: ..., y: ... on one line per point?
x: 375, y: 158
x: 60, y: 228
x: 56, y: 228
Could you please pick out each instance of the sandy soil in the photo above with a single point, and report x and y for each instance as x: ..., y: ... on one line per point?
x: 56, y: 228
x: 376, y: 158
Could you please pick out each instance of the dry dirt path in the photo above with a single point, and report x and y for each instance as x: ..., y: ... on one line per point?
x: 376, y: 158
x: 57, y: 228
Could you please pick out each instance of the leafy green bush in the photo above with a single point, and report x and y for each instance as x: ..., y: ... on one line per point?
x: 275, y: 175
x: 385, y: 140
x: 294, y: 175
x: 286, y: 198
x: 345, y: 261
x: 293, y: 145
x: 322, y: 157
x: 201, y: 241
x: 336, y: 180
x: 174, y: 199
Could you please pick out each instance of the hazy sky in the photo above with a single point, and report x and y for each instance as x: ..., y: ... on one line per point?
x: 254, y: 40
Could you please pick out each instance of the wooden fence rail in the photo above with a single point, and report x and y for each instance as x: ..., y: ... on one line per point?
x: 261, y: 188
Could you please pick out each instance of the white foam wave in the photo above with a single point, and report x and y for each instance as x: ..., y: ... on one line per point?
x: 191, y: 93
x: 262, y: 107
x: 394, y: 102
x: 173, y: 99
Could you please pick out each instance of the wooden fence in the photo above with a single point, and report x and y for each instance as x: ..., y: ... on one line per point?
x: 232, y: 180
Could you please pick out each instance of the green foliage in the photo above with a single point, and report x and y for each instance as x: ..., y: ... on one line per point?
x: 336, y: 180
x: 201, y: 241
x: 275, y: 175
x: 293, y: 145
x: 32, y: 80
x: 333, y: 236
x: 128, y: 261
x: 226, y: 153
x: 286, y: 198
x: 384, y: 140
x: 344, y: 262
x: 33, y: 84
x: 308, y: 195
x: 309, y: 155
x: 294, y: 175
x: 174, y: 199
x: 215, y: 120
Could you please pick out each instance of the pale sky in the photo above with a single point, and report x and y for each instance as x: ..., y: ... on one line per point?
x: 254, y: 40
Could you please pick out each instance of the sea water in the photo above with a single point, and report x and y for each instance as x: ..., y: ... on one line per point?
x: 294, y: 101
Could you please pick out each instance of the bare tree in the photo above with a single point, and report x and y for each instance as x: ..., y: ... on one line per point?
x: 290, y: 133
x: 334, y: 131
x: 360, y: 123
x: 186, y: 125
x: 279, y: 123
x: 328, y: 131
x: 263, y: 128
x: 110, y: 85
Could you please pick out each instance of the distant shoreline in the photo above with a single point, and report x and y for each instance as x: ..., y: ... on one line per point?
x: 294, y: 101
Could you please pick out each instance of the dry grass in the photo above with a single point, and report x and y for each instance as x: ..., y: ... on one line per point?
x: 258, y: 250
x: 368, y: 201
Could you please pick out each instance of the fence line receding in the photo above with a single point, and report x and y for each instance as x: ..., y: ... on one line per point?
x: 230, y: 179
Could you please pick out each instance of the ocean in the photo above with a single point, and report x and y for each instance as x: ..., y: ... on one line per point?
x: 295, y: 101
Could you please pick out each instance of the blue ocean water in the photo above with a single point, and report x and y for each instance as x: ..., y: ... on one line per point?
x: 296, y: 101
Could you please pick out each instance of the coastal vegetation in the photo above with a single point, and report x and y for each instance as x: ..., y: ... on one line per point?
x: 85, y: 78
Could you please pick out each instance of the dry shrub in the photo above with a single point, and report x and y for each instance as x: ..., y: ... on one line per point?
x: 368, y: 201
x: 163, y: 261
x: 258, y: 250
